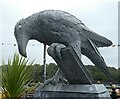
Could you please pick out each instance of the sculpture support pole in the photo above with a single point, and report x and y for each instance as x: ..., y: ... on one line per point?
x: 44, y: 64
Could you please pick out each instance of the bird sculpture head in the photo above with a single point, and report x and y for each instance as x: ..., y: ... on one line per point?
x: 21, y: 37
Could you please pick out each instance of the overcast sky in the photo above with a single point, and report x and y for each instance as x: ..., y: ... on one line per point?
x: 100, y: 16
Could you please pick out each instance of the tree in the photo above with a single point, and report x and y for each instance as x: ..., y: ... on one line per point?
x: 51, y: 70
x: 94, y: 71
x: 37, y: 73
x: 118, y: 74
x: 98, y: 75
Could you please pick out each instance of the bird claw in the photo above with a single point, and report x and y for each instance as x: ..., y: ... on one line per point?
x: 54, y: 50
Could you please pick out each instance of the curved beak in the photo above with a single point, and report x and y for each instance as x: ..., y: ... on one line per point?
x: 22, y: 41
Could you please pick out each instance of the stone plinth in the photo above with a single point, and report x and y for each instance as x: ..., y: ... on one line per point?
x: 94, y: 91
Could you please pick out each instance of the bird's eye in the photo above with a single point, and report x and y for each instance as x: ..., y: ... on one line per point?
x: 20, y: 26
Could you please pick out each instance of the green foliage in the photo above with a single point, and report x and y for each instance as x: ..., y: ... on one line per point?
x: 37, y: 71
x: 100, y: 76
x: 51, y: 70
x: 94, y: 71
x: 114, y: 73
x: 118, y: 74
x: 14, y: 76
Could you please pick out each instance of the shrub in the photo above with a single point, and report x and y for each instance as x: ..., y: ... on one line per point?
x: 14, y: 77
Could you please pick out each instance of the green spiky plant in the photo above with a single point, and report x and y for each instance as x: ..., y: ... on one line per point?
x: 14, y: 77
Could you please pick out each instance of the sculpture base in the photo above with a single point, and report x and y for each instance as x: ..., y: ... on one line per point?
x: 94, y: 91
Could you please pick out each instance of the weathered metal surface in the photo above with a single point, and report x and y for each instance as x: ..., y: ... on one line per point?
x: 55, y: 26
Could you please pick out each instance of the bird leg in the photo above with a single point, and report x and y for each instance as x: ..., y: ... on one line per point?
x: 55, y: 52
x: 57, y: 78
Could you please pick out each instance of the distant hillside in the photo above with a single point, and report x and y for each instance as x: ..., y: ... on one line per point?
x: 52, y: 68
x: 94, y: 71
